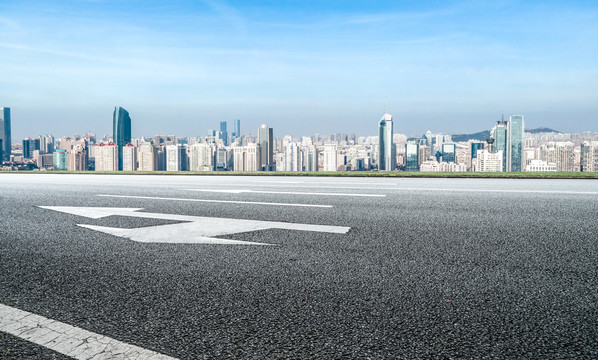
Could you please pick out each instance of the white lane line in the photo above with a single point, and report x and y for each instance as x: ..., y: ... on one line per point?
x: 214, y: 201
x: 284, y: 192
x: 564, y: 192
x: 69, y: 340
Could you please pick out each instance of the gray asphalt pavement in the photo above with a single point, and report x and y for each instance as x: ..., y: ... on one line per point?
x: 433, y: 268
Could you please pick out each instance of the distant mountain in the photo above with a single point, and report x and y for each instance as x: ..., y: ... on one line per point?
x: 542, y: 130
x: 483, y: 135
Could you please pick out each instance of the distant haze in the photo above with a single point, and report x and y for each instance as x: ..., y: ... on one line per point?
x: 302, y: 67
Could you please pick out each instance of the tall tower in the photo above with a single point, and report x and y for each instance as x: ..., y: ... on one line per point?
x: 121, y: 127
x: 266, y: 141
x: 499, y: 134
x: 5, y: 134
x: 237, y: 128
x: 224, y: 133
x: 386, y: 149
x: 515, y: 130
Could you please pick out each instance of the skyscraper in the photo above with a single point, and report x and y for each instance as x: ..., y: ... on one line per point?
x: 266, y: 141
x: 224, y: 133
x: 449, y: 152
x: 411, y: 156
x: 5, y: 133
x: 515, y: 131
x: 499, y: 134
x: 121, y: 125
x: 386, y: 149
x: 237, y: 129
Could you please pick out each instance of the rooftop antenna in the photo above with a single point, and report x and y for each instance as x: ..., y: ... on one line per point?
x: 385, y: 104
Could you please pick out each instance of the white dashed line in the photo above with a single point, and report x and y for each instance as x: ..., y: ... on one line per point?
x: 285, y: 192
x: 214, y: 201
x: 67, y: 339
x: 565, y: 192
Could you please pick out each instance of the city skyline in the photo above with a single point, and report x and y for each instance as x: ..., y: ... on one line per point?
x: 300, y: 67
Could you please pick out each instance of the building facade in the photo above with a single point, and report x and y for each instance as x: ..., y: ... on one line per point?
x: 121, y: 127
x: 5, y: 133
x: 515, y: 132
x: 386, y: 148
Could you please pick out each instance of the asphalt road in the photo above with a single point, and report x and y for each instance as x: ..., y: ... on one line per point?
x: 433, y: 268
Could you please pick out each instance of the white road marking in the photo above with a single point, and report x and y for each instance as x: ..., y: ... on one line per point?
x: 214, y: 201
x: 67, y: 339
x: 565, y: 192
x: 193, y: 229
x: 285, y: 192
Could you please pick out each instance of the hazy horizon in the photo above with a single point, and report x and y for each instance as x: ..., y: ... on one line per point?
x: 301, y: 67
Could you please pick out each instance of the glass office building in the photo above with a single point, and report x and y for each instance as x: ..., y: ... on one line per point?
x: 449, y: 151
x: 266, y: 142
x: 5, y: 134
x: 386, y: 149
x: 499, y: 134
x: 411, y: 156
x: 60, y: 160
x: 121, y: 126
x: 515, y: 131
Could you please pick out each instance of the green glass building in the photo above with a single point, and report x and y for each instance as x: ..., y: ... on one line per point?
x: 121, y: 125
x: 515, y: 132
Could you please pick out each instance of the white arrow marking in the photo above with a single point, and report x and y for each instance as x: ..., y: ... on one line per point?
x: 234, y: 191
x: 194, y: 229
x: 213, y: 201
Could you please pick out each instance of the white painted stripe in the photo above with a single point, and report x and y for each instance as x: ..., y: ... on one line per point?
x: 214, y: 201
x: 564, y: 192
x: 67, y: 339
x: 232, y: 191
x: 517, y: 191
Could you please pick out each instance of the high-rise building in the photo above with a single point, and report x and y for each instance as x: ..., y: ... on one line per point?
x: 499, y: 135
x: 202, y: 157
x: 475, y: 146
x: 106, y: 157
x: 60, y: 160
x: 311, y: 158
x: 293, y: 160
x: 515, y: 132
x: 121, y: 125
x: 589, y: 156
x: 129, y: 157
x: 147, y: 157
x: 489, y: 161
x: 5, y: 133
x: 223, y: 133
x: 330, y: 157
x: 266, y: 142
x: 77, y: 158
x: 411, y: 156
x: 175, y: 158
x: 245, y: 158
x: 449, y: 151
x: 236, y: 129
x: 387, y: 152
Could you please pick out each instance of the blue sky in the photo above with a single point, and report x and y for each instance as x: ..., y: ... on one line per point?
x: 302, y: 67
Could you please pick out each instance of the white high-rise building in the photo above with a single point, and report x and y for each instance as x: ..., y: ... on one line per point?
x: 330, y: 157
x: 147, y: 157
x: 246, y: 158
x: 202, y: 157
x: 588, y: 161
x: 293, y: 157
x: 174, y: 157
x: 487, y: 161
x: 107, y: 157
x: 129, y: 157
